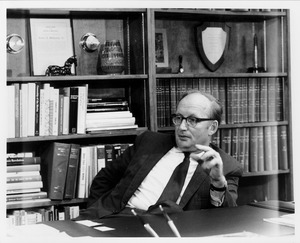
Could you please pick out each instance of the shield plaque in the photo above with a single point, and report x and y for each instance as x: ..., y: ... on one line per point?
x: 212, y: 40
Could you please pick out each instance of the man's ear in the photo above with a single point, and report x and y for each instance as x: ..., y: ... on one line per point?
x: 213, y: 127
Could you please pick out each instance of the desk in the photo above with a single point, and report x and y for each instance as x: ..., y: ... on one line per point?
x: 198, y: 223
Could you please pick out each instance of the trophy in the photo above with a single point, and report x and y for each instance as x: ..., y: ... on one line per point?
x: 255, y: 68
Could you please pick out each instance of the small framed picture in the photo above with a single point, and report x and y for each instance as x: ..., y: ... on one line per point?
x: 51, y: 43
x: 161, y: 48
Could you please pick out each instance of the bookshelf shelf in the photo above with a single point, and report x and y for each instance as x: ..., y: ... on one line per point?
x: 221, y: 75
x: 114, y: 133
x: 217, y: 15
x: 74, y: 78
x: 33, y: 204
x: 266, y: 173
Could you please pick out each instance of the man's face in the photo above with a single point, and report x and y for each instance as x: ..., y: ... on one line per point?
x: 193, y: 105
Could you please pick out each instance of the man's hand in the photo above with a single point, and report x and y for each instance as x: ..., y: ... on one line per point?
x: 211, y: 161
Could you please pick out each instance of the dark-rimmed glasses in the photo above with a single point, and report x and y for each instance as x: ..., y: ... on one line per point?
x: 190, y: 121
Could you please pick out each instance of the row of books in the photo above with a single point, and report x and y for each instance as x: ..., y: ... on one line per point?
x: 258, y: 149
x: 23, y: 178
x: 37, y: 109
x: 243, y: 99
x: 33, y: 216
x: 68, y: 169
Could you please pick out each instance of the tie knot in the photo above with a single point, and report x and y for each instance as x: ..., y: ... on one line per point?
x: 186, y: 154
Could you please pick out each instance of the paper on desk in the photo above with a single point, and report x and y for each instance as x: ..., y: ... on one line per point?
x: 286, y: 220
x: 88, y: 223
x: 104, y: 228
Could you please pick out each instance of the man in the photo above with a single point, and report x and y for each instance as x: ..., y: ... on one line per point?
x: 138, y: 178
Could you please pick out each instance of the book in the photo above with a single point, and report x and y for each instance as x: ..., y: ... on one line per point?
x: 66, y: 110
x: 24, y: 110
x: 274, y: 143
x: 235, y: 148
x: 101, y: 115
x: 253, y: 146
x: 282, y: 148
x: 45, y: 93
x: 271, y: 99
x: 55, y: 163
x: 12, y: 161
x: 226, y: 140
x: 31, y: 109
x: 268, y: 148
x: 100, y: 156
x: 261, y: 152
x: 108, y: 122
x: 37, y: 109
x: 17, y: 109
x: 73, y: 111
x: 263, y: 99
x: 10, y: 112
x: 24, y: 190
x: 53, y: 112
x: 60, y: 111
x: 24, y: 185
x: 82, y: 109
x: 20, y: 168
x: 72, y: 172
x: 81, y: 186
x: 22, y: 178
x: 26, y: 196
x: 98, y: 130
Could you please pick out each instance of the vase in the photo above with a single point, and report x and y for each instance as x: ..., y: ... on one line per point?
x: 112, y: 57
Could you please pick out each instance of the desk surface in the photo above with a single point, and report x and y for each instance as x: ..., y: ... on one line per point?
x: 198, y: 223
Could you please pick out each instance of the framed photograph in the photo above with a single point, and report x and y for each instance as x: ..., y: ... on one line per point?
x: 161, y: 48
x: 51, y: 43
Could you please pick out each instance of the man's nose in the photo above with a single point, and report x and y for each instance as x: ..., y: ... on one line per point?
x: 183, y: 124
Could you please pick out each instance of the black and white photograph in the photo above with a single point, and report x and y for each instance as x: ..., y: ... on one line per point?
x: 150, y: 120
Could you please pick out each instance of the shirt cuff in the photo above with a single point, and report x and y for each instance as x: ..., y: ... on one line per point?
x: 217, y: 197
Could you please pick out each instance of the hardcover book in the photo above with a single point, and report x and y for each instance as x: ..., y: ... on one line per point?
x: 72, y: 172
x: 54, y: 170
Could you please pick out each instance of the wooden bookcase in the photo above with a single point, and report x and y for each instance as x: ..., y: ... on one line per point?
x: 136, y: 30
x: 272, y: 30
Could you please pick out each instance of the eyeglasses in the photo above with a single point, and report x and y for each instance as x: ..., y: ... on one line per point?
x: 191, y: 121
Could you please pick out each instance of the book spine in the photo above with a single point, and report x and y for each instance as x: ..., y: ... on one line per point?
x: 82, y: 109
x: 261, y: 152
x: 31, y: 110
x: 282, y: 148
x: 21, y: 168
x: 271, y: 99
x: 17, y: 110
x: 268, y: 148
x: 72, y: 172
x: 274, y: 139
x: 37, y: 110
x: 66, y: 110
x: 73, y: 110
x: 263, y: 99
x: 55, y: 158
x: 22, y: 161
x: 226, y: 140
x: 253, y: 162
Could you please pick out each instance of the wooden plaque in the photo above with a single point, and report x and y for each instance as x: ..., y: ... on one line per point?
x: 212, y: 40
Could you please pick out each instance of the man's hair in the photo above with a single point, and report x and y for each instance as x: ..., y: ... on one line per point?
x: 216, y: 109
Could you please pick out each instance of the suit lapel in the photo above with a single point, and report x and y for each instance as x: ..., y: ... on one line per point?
x: 197, y: 179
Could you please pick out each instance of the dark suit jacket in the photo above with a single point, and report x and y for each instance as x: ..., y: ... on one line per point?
x: 114, y: 185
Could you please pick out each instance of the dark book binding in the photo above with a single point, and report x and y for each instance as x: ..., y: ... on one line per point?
x: 54, y: 170
x: 72, y: 171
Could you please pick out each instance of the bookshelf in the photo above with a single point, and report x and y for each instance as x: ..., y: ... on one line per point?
x: 136, y: 30
x: 272, y: 30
